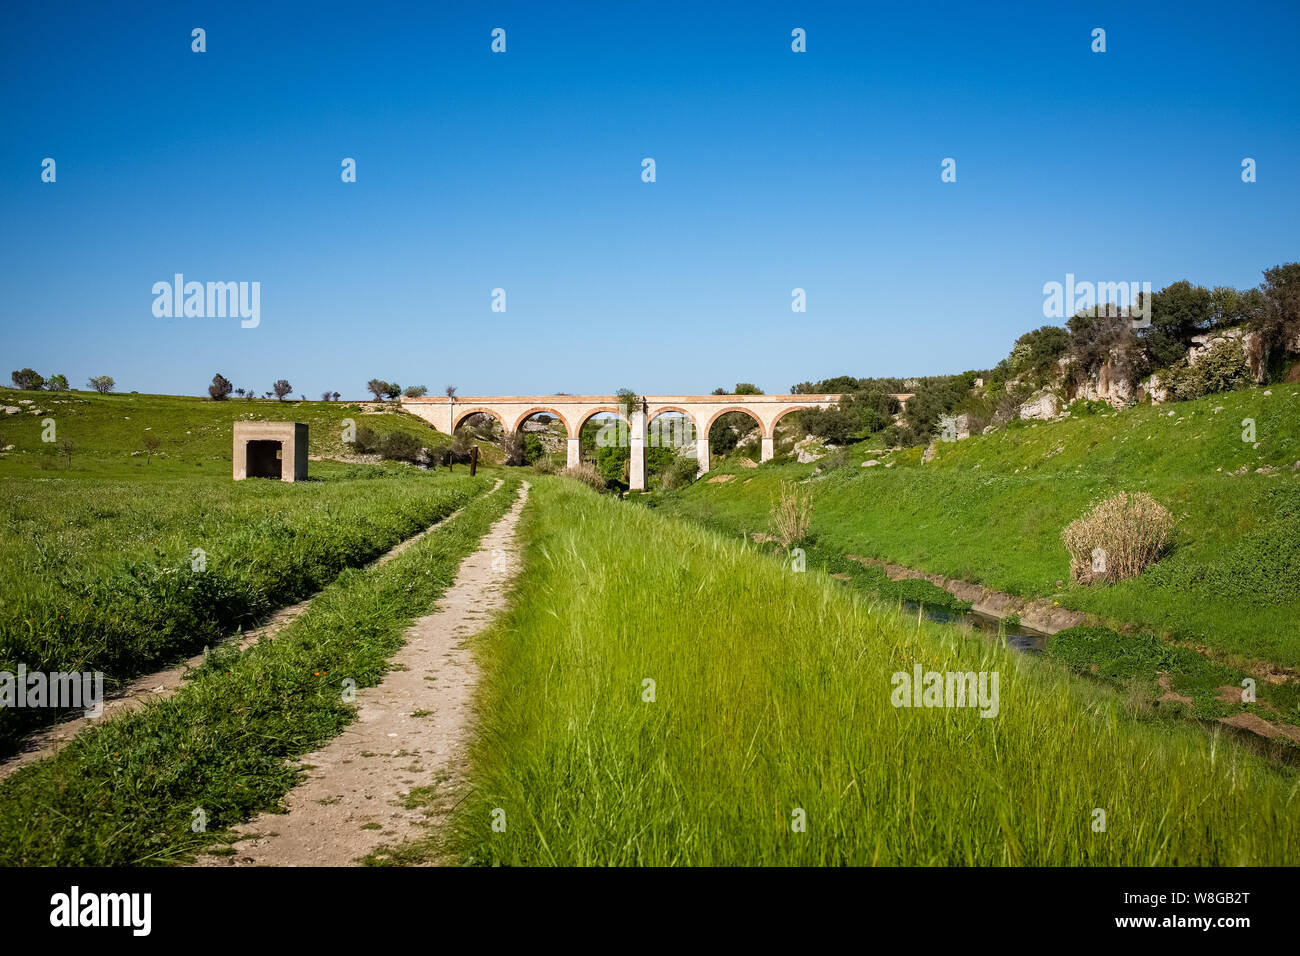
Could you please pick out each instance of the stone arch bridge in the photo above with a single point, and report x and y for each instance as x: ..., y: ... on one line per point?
x: 701, y: 411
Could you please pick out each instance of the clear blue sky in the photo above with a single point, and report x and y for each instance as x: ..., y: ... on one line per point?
x: 523, y: 171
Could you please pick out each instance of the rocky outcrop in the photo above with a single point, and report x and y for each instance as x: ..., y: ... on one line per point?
x: 1043, y: 405
x: 809, y: 450
x: 1154, y: 389
x: 1111, y: 385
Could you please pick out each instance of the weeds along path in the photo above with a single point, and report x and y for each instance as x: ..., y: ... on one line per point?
x: 364, y: 789
x: 164, y: 683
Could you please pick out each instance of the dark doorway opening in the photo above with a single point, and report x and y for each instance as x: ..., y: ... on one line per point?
x: 264, y: 459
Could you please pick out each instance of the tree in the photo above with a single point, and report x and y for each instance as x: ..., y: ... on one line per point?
x: 628, y: 399
x: 325, y: 396
x: 719, y: 391
x: 27, y: 379
x: 392, y: 390
x: 220, y: 388
x: 336, y: 396
x: 1178, y: 312
x: 151, y: 445
x: 377, y: 387
x: 460, y: 446
x: 1035, y: 353
x: 239, y: 392
x: 415, y: 391
x: 103, y: 384
x: 451, y: 391
x: 745, y: 388
x: 281, y: 388
x: 57, y: 383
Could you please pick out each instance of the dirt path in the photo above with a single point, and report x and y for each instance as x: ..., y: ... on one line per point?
x: 411, y: 732
x: 163, y: 684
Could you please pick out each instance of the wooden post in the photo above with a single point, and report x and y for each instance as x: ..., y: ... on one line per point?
x: 473, y: 460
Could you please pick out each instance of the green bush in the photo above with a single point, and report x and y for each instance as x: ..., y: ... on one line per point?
x: 679, y: 473
x: 1222, y: 369
x: 401, y: 446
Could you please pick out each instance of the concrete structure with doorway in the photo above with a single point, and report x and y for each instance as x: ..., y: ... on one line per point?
x: 271, y: 450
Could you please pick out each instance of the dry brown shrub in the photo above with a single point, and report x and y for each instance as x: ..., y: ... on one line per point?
x: 791, y: 515
x: 586, y: 473
x: 1128, y: 532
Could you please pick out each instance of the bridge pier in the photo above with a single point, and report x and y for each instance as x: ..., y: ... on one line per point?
x: 767, y: 450
x: 636, y: 467
x: 575, y: 452
x: 702, y: 454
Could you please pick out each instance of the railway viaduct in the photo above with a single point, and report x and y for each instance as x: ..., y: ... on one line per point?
x: 445, y: 413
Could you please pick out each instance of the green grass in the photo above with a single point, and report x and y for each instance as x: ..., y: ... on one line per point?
x: 108, y: 431
x: 990, y: 510
x: 98, y: 563
x: 773, y: 694
x: 124, y: 792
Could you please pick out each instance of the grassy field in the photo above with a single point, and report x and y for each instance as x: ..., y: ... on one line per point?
x: 118, y: 565
x: 125, y: 791
x: 108, y: 432
x: 772, y: 695
x: 990, y: 509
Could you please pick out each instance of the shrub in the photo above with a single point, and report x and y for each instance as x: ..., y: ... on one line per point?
x: 587, y: 473
x: 401, y: 446
x: 835, y: 460
x: 791, y: 515
x: 1083, y: 407
x: 545, y: 466
x: 366, y: 442
x: 679, y: 473
x: 1221, y: 369
x: 1118, y: 538
x: 103, y: 384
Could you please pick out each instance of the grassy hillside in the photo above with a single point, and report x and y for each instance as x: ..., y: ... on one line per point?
x: 194, y: 432
x: 990, y: 509
x: 770, y: 702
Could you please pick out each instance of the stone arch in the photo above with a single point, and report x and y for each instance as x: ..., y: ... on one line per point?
x: 524, y: 416
x: 587, y: 413
x: 762, y: 429
x: 672, y: 408
x: 478, y: 410
x: 771, y: 433
x: 666, y: 409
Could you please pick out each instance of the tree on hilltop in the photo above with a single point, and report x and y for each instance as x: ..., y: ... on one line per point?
x: 220, y: 388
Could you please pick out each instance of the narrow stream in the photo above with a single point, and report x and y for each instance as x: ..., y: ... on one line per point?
x: 1019, y: 637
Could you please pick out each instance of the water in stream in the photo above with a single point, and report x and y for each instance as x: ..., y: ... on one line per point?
x: 1019, y: 637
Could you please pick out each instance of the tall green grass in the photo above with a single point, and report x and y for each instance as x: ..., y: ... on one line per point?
x: 101, y: 575
x: 773, y: 694
x: 124, y: 792
x: 990, y: 509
